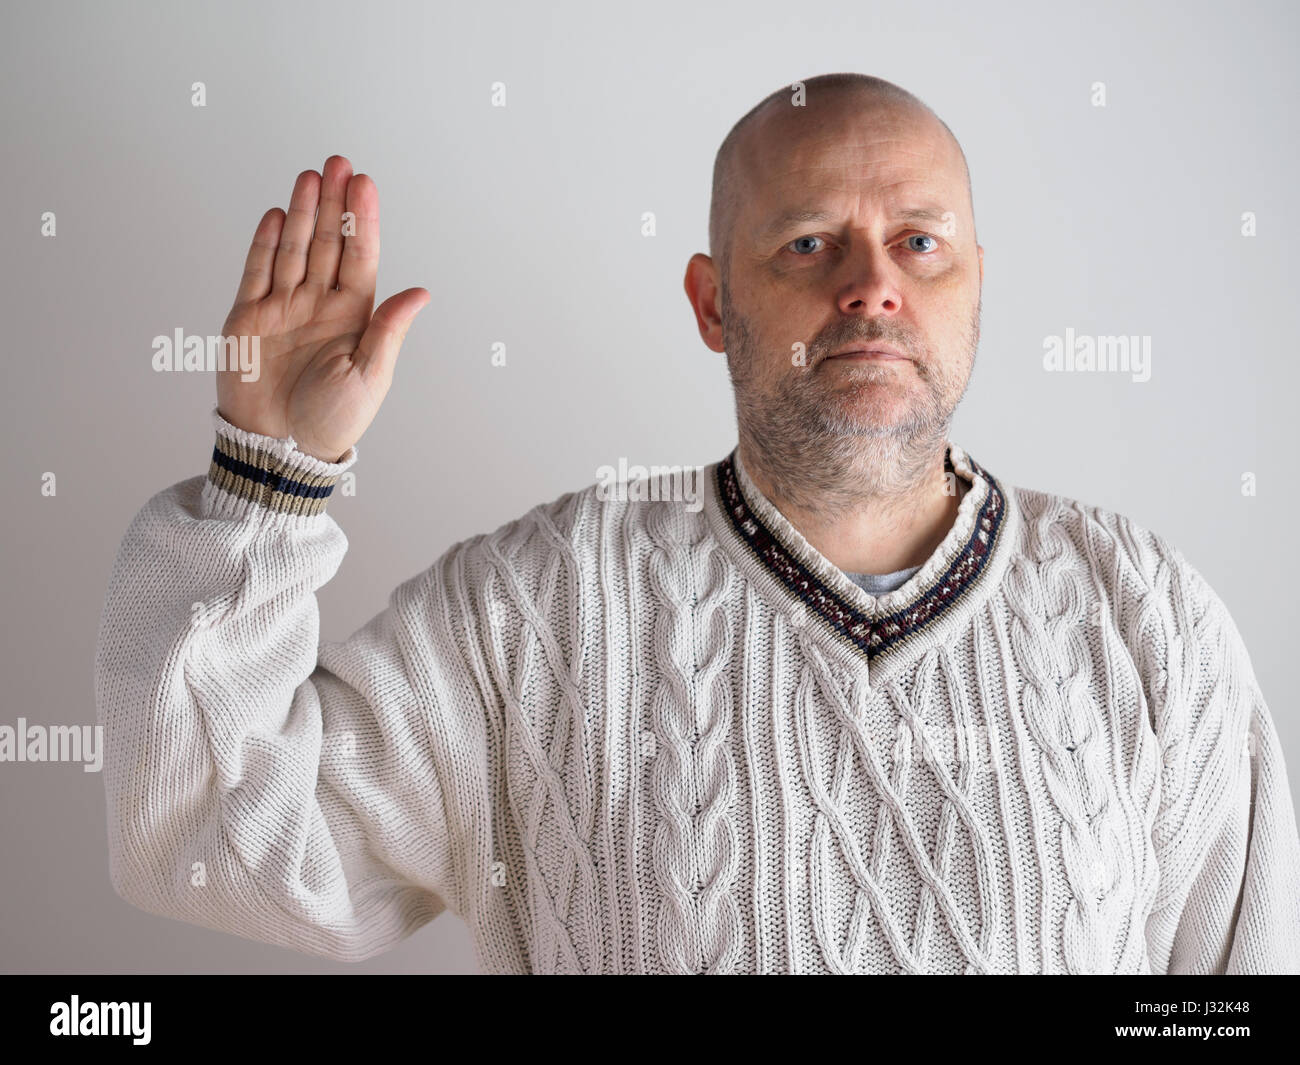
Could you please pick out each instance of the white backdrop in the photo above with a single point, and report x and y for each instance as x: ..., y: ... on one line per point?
x: 525, y: 222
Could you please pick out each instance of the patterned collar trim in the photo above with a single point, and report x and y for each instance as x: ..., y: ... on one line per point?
x: 874, y: 625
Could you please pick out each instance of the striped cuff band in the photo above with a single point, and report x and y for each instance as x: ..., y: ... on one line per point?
x: 271, y: 473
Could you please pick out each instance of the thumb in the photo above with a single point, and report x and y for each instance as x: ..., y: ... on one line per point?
x: 376, y: 353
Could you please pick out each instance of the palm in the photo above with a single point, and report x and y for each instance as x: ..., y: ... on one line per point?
x: 325, y: 361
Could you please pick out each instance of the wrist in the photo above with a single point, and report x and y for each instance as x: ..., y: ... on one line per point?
x: 254, y: 473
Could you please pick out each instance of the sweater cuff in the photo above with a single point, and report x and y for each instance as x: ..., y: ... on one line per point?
x: 255, y: 475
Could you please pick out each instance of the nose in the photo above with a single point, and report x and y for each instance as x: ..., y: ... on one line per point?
x: 871, y: 286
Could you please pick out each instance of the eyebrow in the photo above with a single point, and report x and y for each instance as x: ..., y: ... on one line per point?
x: 800, y: 216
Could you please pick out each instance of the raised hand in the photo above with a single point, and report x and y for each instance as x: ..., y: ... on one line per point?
x: 308, y: 291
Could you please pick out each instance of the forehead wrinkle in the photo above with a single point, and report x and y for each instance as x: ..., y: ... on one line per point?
x: 842, y: 181
x: 889, y: 193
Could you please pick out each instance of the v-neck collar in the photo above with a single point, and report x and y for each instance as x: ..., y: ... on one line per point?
x: 883, y: 629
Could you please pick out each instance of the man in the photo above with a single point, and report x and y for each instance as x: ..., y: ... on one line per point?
x: 870, y: 709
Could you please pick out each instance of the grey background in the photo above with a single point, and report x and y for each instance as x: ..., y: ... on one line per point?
x: 524, y: 223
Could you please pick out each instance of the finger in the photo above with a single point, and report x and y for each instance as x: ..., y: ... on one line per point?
x: 256, y: 281
x: 360, y: 261
x: 291, y: 256
x: 377, y: 350
x: 327, y: 243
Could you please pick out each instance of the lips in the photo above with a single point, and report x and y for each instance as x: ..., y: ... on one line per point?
x: 883, y: 351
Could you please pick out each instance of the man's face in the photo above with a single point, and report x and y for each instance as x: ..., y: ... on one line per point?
x: 870, y: 270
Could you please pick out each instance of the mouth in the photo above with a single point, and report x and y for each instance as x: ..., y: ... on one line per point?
x: 868, y: 353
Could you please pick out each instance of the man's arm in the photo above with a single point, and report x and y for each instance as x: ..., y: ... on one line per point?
x: 1226, y: 837
x: 258, y: 782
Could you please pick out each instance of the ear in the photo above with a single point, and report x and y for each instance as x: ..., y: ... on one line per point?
x: 703, y: 290
x: 980, y: 248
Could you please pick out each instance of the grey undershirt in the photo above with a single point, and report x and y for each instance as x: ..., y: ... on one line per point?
x: 880, y: 583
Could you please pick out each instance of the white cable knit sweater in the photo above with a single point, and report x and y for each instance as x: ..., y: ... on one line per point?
x: 626, y: 737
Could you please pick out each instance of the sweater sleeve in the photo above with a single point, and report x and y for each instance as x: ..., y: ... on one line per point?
x: 1226, y: 834
x: 258, y: 781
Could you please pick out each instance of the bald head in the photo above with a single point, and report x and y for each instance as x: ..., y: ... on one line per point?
x: 826, y: 92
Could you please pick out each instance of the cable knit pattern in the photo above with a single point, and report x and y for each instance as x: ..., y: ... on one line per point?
x: 698, y: 925
x: 537, y: 668
x: 1049, y: 605
x: 619, y: 736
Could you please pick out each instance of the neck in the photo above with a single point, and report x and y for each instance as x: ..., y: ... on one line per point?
x: 881, y: 506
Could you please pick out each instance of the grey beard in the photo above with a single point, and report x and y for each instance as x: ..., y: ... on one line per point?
x: 826, y: 463
x: 820, y: 468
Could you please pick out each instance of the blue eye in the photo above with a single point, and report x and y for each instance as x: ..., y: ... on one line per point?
x: 796, y: 241
x: 801, y: 245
